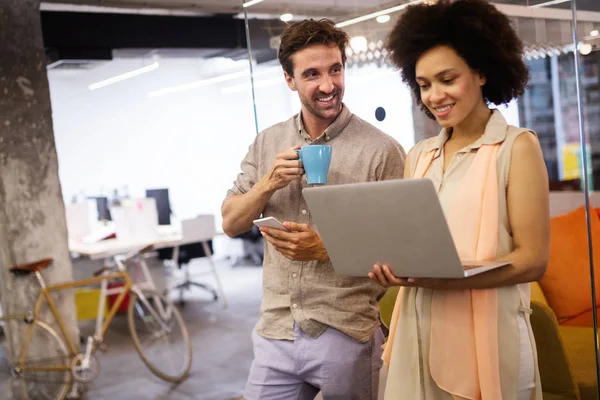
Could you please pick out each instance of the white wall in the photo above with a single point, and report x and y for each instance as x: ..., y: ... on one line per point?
x: 191, y: 142
x: 370, y: 87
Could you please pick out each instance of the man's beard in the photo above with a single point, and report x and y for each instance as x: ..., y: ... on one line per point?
x: 314, y: 108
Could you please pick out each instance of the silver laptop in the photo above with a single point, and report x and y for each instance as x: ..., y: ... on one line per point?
x: 395, y: 222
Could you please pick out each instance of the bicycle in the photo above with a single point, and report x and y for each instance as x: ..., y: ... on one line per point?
x: 63, y: 368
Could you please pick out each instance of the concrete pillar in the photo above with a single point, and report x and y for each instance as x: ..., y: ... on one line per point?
x: 32, y: 213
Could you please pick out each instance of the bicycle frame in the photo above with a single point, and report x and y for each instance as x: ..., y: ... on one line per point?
x: 44, y: 295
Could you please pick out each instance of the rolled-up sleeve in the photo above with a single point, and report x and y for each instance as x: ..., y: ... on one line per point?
x: 249, y: 175
x: 392, y: 163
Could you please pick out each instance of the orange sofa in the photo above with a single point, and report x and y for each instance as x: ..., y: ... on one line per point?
x: 561, y: 301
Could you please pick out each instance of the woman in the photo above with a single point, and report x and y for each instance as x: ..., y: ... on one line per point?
x: 470, y: 338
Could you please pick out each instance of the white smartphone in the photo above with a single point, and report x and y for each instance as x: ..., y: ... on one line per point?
x: 270, y: 222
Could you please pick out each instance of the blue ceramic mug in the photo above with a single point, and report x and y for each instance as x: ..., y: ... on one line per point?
x: 315, y: 160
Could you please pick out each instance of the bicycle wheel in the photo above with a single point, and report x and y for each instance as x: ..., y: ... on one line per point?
x: 47, y: 350
x: 160, y: 335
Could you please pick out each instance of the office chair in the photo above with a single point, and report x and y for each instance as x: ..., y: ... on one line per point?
x: 253, y: 248
x: 196, y: 243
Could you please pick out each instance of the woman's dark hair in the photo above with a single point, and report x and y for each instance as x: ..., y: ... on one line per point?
x: 306, y: 33
x: 476, y: 30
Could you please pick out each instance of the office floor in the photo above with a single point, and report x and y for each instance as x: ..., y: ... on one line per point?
x: 221, y: 340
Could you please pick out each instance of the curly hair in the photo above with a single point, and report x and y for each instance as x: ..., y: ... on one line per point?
x: 476, y: 30
x: 306, y: 33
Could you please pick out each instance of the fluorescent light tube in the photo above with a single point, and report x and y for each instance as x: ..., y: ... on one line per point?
x: 367, y: 17
x: 198, y: 84
x: 122, y: 77
x: 251, y: 3
x: 549, y: 3
x: 247, y: 86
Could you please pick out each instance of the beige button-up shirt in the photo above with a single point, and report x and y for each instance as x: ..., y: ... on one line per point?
x: 311, y: 293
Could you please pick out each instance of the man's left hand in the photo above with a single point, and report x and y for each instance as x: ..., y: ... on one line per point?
x: 302, y: 243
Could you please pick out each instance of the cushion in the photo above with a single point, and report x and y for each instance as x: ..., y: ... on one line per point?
x: 566, y: 283
x: 552, y: 396
x: 553, y: 362
x: 537, y: 294
x: 584, y: 319
x: 579, y: 345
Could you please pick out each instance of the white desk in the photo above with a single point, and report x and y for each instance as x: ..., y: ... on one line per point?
x: 200, y: 230
x: 167, y: 237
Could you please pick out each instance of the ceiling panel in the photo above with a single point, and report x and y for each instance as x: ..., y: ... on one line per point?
x: 301, y: 7
x: 582, y: 5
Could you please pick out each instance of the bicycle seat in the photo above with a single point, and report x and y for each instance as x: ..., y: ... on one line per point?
x: 31, y: 267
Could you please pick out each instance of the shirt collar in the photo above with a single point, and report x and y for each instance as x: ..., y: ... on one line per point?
x: 333, y: 130
x: 495, y: 132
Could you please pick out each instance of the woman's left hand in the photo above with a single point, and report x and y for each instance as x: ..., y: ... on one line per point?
x: 382, y: 274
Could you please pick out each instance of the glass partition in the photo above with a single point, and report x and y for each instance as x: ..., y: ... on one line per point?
x: 560, y: 105
x: 585, y: 66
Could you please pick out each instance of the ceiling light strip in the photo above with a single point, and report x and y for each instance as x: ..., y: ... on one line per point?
x: 549, y: 3
x: 198, y: 84
x: 247, y: 86
x: 376, y: 14
x: 124, y: 76
x: 210, y: 81
x: 251, y: 3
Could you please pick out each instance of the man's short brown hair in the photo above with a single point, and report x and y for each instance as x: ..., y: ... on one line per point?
x: 306, y: 33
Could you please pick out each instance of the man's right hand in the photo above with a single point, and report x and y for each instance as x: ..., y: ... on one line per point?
x: 286, y: 168
x: 239, y: 210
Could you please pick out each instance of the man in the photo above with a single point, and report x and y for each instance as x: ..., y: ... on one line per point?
x: 318, y: 330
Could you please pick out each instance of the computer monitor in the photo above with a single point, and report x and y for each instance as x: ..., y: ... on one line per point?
x: 102, y: 207
x: 163, y: 207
